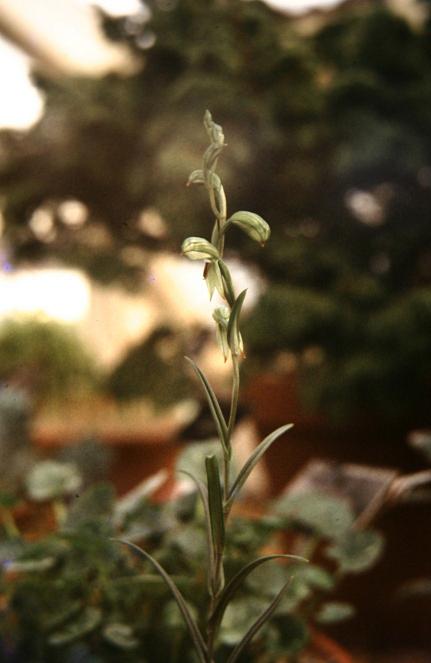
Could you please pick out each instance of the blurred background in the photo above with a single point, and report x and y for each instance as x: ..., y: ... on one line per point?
x: 326, y: 107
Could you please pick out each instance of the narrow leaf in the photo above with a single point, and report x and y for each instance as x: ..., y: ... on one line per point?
x: 232, y: 327
x: 239, y: 578
x: 254, y: 628
x: 204, y: 497
x: 252, y: 462
x: 228, y: 291
x: 191, y: 624
x: 214, y: 407
x: 215, y: 502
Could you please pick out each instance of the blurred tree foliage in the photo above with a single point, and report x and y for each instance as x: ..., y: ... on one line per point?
x: 336, y: 129
x: 46, y: 359
x: 152, y: 369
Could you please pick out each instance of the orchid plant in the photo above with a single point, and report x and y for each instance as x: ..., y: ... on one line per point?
x: 221, y: 489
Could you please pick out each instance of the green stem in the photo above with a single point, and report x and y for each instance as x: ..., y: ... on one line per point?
x: 226, y: 227
x: 235, y: 395
x: 232, y: 419
x: 214, y: 208
x: 211, y: 632
x: 226, y: 476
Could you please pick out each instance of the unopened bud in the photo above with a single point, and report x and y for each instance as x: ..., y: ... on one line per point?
x: 196, y: 177
x: 221, y: 317
x: 198, y: 248
x: 237, y: 345
x: 252, y: 224
x: 214, y: 278
x: 214, y: 131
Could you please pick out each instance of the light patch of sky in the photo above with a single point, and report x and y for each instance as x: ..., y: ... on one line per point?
x: 22, y: 104
x: 298, y: 6
x: 116, y: 7
x: 56, y: 293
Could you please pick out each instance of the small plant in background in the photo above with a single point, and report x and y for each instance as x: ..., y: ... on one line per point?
x: 220, y: 490
x: 46, y: 359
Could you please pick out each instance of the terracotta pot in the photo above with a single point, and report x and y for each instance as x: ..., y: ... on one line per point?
x: 274, y: 400
x: 34, y: 520
x: 325, y: 650
x: 136, y: 457
x: 321, y: 650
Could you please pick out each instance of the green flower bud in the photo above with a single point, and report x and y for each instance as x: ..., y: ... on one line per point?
x: 196, y: 177
x: 214, y: 181
x: 214, y: 279
x: 211, y: 155
x: 252, y: 224
x: 221, y: 317
x: 214, y: 131
x: 237, y: 345
x: 198, y: 248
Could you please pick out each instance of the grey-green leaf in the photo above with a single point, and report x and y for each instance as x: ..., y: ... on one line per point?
x: 215, y: 503
x: 214, y: 406
x: 194, y: 631
x: 120, y: 635
x: 252, y: 462
x: 204, y: 497
x: 254, y: 628
x: 335, y: 611
x: 357, y: 550
x: 30, y: 565
x: 233, y: 324
x: 237, y: 580
x: 95, y: 504
x: 88, y: 620
x: 328, y: 516
x: 229, y: 292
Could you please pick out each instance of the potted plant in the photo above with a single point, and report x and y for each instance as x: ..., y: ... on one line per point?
x: 219, y: 490
x: 214, y: 585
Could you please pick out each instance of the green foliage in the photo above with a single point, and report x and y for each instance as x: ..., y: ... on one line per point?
x: 16, y: 454
x: 334, y: 611
x: 357, y: 551
x: 328, y: 519
x: 76, y: 587
x: 153, y: 369
x: 341, y: 112
x: 320, y: 513
x: 96, y: 584
x: 94, y: 508
x: 49, y: 479
x: 47, y: 356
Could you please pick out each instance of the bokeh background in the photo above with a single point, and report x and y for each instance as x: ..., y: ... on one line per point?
x: 327, y: 116
x: 326, y: 107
